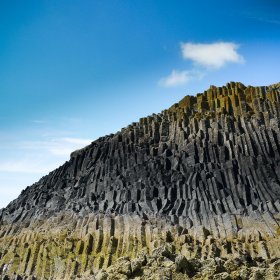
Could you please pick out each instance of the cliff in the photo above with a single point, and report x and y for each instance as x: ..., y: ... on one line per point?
x: 192, y: 192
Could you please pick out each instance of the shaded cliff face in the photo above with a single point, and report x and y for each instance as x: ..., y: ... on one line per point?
x: 203, y: 176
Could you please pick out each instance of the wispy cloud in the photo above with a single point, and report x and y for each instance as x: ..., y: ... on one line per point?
x: 40, y: 157
x: 65, y: 146
x: 39, y: 121
x: 213, y: 55
x: 27, y: 165
x: 79, y: 141
x: 9, y: 192
x: 57, y: 146
x: 266, y: 20
x: 178, y: 78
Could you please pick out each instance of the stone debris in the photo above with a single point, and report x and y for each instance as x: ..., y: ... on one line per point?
x: 190, y: 193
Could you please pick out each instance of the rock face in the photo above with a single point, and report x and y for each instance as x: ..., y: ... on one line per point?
x: 192, y: 192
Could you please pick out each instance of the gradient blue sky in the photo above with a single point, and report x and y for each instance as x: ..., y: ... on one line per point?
x: 72, y: 71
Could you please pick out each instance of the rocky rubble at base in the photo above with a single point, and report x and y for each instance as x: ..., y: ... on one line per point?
x: 165, y: 265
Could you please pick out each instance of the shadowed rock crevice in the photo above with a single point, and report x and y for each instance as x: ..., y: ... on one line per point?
x: 203, y: 175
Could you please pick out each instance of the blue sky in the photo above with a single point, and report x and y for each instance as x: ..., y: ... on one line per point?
x: 72, y: 71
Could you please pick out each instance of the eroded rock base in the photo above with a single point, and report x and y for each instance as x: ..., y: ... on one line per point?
x: 130, y: 247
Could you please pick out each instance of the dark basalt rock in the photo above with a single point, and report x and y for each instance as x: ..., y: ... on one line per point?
x: 210, y: 164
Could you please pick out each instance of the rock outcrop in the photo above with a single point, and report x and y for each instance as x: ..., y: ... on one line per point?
x: 192, y: 192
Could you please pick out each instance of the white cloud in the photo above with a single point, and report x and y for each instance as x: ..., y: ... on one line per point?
x: 65, y: 146
x: 264, y: 19
x: 78, y: 141
x: 27, y: 165
x: 268, y: 20
x: 11, y: 184
x: 57, y: 146
x: 41, y: 157
x: 39, y: 121
x: 214, y: 55
x: 177, y: 78
x: 9, y: 193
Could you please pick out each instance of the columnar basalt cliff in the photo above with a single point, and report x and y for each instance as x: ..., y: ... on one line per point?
x: 192, y: 192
